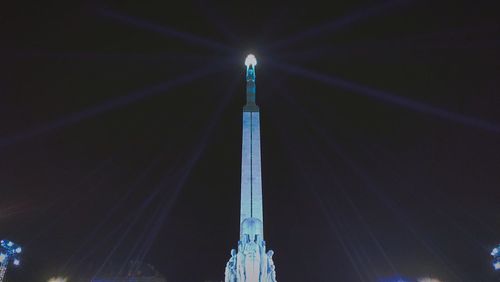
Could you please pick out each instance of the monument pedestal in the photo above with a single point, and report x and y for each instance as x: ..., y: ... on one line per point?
x: 251, y: 263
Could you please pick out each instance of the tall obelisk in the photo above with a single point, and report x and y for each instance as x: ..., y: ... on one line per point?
x: 251, y: 181
x: 251, y: 263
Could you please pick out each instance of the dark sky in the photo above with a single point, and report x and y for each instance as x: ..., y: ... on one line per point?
x: 121, y: 132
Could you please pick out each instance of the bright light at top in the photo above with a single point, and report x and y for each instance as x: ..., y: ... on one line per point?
x: 250, y: 60
x: 18, y: 250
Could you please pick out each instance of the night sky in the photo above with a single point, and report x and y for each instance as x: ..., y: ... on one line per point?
x: 120, y: 136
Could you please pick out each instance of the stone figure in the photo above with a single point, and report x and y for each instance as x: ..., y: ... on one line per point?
x: 231, y: 266
x: 271, y: 269
x: 264, y: 262
x: 240, y: 261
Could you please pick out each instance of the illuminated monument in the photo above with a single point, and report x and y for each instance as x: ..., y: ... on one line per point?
x: 251, y: 262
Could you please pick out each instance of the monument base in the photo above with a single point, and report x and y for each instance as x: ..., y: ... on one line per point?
x: 251, y: 263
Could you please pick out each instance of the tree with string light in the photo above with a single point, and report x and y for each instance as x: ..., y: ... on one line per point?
x: 9, y: 252
x: 495, y: 253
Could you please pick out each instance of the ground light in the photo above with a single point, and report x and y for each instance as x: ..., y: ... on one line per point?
x: 428, y: 279
x: 58, y: 279
x: 396, y: 279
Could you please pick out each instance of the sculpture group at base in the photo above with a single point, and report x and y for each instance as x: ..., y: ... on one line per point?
x: 251, y: 263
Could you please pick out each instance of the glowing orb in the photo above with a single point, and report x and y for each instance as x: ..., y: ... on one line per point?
x: 250, y: 61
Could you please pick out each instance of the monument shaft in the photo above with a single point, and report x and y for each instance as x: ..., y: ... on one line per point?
x: 251, y: 179
x: 251, y: 262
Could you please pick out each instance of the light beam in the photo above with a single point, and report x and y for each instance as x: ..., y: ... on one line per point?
x: 388, y: 97
x: 164, y: 30
x: 112, y: 104
x: 337, y: 24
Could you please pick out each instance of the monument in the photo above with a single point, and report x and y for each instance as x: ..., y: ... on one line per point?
x: 250, y: 262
